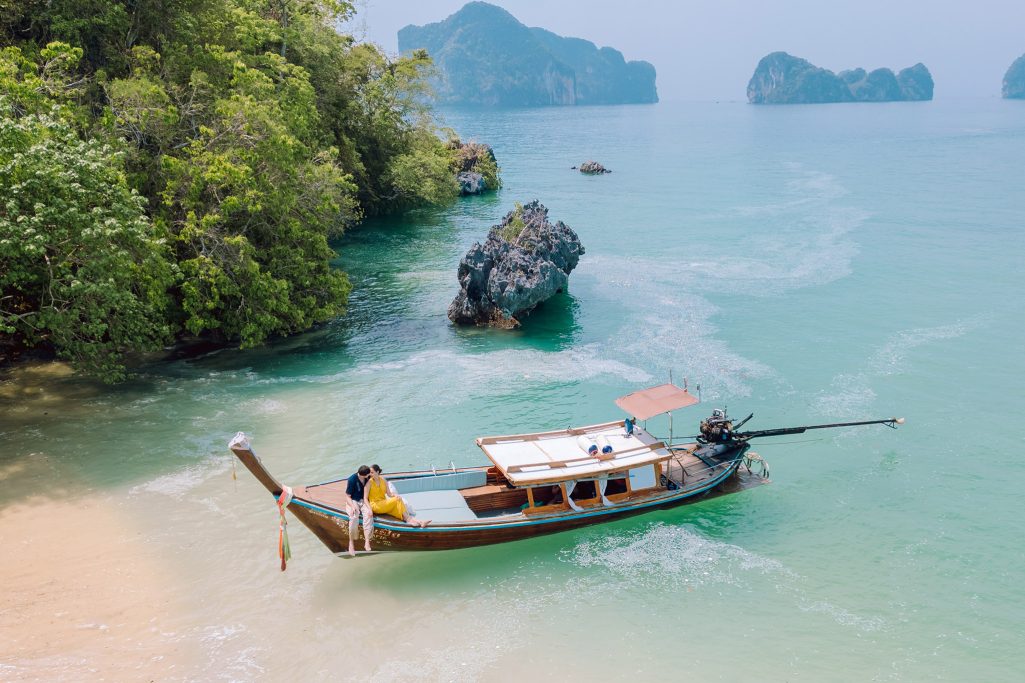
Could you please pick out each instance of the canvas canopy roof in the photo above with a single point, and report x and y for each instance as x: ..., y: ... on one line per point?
x: 552, y: 457
x: 648, y: 403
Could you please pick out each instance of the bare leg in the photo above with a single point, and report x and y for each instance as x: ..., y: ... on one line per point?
x: 368, y: 526
x: 415, y: 522
x: 353, y: 512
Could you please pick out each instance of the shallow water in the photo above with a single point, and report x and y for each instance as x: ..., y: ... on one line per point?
x: 808, y: 264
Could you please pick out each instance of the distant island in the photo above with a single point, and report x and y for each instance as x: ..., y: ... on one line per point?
x: 1014, y: 80
x: 485, y: 56
x: 781, y: 78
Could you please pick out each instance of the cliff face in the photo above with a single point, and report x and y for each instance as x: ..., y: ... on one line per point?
x: 781, y: 78
x: 1014, y: 80
x: 603, y: 76
x: 485, y: 56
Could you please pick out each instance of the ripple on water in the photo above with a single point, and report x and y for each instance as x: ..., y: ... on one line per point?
x: 852, y: 393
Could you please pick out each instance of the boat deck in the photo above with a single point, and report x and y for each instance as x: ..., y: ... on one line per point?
x: 435, y: 496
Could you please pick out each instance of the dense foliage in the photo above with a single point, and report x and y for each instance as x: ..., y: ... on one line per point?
x: 177, y: 167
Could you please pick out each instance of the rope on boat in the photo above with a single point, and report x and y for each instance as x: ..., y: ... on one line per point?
x: 752, y: 459
x: 284, y: 550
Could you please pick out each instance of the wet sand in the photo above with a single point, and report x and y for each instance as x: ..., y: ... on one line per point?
x: 83, y: 598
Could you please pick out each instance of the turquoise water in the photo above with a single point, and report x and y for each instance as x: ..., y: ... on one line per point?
x: 808, y: 264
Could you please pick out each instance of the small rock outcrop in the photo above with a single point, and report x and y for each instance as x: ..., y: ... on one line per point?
x: 593, y: 168
x: 1014, y: 80
x: 471, y: 183
x: 476, y: 168
x: 781, y: 78
x: 524, y: 261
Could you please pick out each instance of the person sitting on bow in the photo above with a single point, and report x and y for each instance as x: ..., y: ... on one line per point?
x: 355, y: 505
x: 383, y: 500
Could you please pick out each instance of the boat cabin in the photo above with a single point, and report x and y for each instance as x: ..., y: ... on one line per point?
x: 568, y: 468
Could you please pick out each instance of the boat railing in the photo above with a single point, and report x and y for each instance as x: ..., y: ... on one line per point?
x: 676, y: 457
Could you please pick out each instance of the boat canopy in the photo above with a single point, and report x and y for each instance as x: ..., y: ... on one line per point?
x: 565, y: 455
x: 648, y: 403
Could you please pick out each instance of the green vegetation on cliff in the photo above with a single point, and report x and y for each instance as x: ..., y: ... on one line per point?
x: 177, y: 167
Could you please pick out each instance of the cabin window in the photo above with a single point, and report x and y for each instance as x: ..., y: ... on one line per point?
x: 615, y: 486
x: 584, y: 490
x: 642, y: 477
x: 547, y: 495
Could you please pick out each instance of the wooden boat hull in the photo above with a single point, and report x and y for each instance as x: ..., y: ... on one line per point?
x: 331, y: 525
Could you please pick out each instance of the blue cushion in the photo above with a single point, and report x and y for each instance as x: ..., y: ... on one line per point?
x: 440, y: 482
x: 440, y: 506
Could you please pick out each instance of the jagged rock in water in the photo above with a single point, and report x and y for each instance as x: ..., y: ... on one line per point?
x: 471, y: 183
x: 476, y: 167
x: 470, y: 154
x: 1014, y: 80
x: 593, y: 168
x: 524, y: 261
x: 780, y: 78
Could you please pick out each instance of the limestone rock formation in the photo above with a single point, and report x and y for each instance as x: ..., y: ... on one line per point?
x: 916, y: 82
x: 781, y: 78
x: 593, y: 168
x: 1014, y: 80
x: 476, y: 168
x: 471, y: 183
x: 485, y: 56
x: 524, y: 261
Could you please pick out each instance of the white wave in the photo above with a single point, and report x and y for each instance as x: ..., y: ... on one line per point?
x: 807, y: 189
x: 176, y: 484
x: 670, y: 327
x: 848, y: 395
x: 263, y: 406
x: 845, y: 617
x: 664, y: 553
x: 890, y: 359
x: 491, y: 371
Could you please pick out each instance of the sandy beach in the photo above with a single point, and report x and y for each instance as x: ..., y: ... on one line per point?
x: 84, y: 600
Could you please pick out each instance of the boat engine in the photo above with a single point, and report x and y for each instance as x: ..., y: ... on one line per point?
x: 716, y: 429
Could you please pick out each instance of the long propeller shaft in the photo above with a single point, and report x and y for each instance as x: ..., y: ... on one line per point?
x: 889, y: 422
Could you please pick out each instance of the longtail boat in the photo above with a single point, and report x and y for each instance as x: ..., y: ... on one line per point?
x: 545, y: 482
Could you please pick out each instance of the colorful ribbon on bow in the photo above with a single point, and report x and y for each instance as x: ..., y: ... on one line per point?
x: 284, y: 551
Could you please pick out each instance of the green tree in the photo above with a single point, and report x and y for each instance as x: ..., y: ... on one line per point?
x: 81, y: 269
x: 251, y: 208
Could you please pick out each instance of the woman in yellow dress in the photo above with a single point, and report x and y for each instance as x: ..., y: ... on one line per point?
x: 383, y: 501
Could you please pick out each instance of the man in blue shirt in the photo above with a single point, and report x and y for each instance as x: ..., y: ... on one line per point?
x: 355, y: 504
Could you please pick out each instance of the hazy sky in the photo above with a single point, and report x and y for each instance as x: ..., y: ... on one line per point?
x: 707, y: 49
